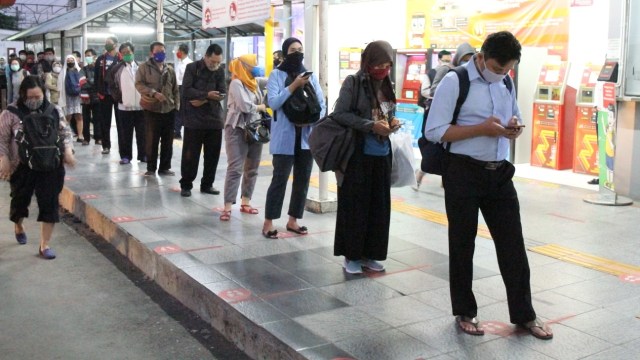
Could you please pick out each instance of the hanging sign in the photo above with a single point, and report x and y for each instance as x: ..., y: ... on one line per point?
x: 225, y: 13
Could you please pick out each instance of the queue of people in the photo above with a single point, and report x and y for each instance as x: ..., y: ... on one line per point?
x: 148, y: 96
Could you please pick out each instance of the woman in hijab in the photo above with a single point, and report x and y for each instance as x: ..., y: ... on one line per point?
x: 289, y: 143
x: 69, y: 87
x: 244, y: 104
x: 367, y: 104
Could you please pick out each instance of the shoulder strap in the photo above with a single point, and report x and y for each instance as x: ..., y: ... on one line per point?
x: 508, y: 82
x: 463, y: 85
x: 356, y: 90
x: 15, y: 110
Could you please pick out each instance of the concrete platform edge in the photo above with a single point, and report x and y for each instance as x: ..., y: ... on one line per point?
x: 252, y: 338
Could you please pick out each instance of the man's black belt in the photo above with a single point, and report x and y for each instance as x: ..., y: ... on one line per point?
x: 487, y: 165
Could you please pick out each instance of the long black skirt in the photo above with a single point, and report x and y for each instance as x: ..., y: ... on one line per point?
x: 364, y: 209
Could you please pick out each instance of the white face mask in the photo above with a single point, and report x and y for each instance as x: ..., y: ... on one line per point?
x: 57, y: 69
x: 489, y: 75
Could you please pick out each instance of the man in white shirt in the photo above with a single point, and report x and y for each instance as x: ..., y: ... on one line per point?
x: 123, y: 90
x: 182, y: 60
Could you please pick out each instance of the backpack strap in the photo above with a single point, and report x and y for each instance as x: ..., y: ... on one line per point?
x: 463, y: 84
x: 16, y: 111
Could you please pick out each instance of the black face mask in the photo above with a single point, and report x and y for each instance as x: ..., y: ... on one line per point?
x: 296, y: 57
x: 276, y: 62
x: 71, y: 65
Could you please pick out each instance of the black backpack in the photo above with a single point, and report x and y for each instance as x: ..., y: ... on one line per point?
x: 39, y: 143
x: 302, y: 107
x: 433, y: 153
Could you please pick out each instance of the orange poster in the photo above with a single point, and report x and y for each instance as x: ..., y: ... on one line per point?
x: 448, y: 23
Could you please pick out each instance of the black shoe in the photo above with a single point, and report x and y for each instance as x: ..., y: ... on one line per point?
x: 594, y: 181
x: 210, y: 190
x: 185, y: 193
x: 166, y: 173
x: 150, y: 173
x: 105, y: 151
x: 177, y: 136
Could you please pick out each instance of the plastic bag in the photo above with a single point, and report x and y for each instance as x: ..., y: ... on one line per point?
x: 402, y: 166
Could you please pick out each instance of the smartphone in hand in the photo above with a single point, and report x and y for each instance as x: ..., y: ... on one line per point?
x: 514, y: 127
x: 307, y: 74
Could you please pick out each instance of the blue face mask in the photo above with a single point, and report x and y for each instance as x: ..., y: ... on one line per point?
x: 159, y: 56
x: 257, y: 71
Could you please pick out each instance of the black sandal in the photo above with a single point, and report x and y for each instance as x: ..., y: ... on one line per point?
x: 270, y: 234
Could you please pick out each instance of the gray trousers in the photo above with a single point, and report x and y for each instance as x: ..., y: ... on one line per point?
x: 242, y: 162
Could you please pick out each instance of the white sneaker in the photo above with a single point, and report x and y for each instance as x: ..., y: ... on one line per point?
x: 372, y: 265
x: 352, y: 266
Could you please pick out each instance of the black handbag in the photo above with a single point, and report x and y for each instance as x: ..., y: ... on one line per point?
x: 258, y: 131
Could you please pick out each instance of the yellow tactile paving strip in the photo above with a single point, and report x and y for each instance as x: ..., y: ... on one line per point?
x: 412, y: 210
x: 586, y: 260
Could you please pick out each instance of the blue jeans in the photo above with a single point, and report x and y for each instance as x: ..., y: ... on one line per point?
x: 302, y: 163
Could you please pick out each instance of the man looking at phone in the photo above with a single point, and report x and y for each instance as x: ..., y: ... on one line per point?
x: 476, y: 176
x: 203, y: 87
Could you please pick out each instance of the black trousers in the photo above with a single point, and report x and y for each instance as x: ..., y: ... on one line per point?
x: 193, y: 141
x: 106, y: 107
x: 130, y: 121
x: 90, y: 116
x: 468, y: 188
x: 302, y: 163
x: 364, y: 210
x: 47, y: 185
x: 159, y: 131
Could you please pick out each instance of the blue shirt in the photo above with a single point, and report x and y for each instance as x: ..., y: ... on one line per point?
x: 484, y: 100
x: 283, y: 132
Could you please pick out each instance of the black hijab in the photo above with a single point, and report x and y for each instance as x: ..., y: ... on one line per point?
x: 292, y: 63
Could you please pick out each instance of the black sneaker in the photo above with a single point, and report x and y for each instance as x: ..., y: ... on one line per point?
x: 185, y: 193
x: 210, y: 190
x: 177, y: 136
x: 150, y: 173
x: 166, y: 173
x: 106, y: 151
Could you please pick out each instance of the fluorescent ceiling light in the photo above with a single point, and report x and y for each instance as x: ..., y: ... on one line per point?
x: 133, y: 30
x: 99, y: 35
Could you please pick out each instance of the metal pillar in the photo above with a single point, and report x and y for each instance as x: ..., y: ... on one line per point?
x: 160, y: 21
x: 323, y: 203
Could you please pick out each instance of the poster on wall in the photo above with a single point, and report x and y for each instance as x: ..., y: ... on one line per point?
x: 224, y: 13
x: 445, y: 24
x: 349, y: 62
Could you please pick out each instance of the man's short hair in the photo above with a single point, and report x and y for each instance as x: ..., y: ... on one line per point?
x: 213, y: 49
x: 113, y: 38
x: 183, y: 48
x: 125, y: 45
x: 50, y: 49
x: 40, y: 53
x: 443, y: 53
x: 90, y: 51
x: 154, y: 44
x: 502, y: 47
x: 22, y: 52
x: 77, y: 54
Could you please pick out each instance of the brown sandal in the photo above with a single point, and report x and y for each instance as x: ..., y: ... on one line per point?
x: 225, y: 216
x: 248, y: 209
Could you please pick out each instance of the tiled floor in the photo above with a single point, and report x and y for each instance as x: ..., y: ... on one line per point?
x: 296, y: 289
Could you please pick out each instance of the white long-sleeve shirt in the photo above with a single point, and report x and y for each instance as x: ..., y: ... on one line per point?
x: 181, y: 65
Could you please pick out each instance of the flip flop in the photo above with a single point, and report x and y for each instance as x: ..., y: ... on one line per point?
x: 536, y: 324
x: 302, y: 230
x: 270, y: 234
x: 473, y: 321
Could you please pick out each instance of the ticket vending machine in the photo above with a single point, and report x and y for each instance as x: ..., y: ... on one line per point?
x: 412, y: 75
x: 553, y: 118
x: 585, y: 151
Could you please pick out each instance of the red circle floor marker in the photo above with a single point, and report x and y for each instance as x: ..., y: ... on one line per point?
x: 496, y: 328
x: 167, y: 249
x: 88, y: 196
x: 630, y: 278
x: 235, y: 295
x: 120, y: 219
x: 175, y: 189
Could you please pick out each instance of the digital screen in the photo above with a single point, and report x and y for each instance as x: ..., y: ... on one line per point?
x: 544, y: 92
x: 408, y: 94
